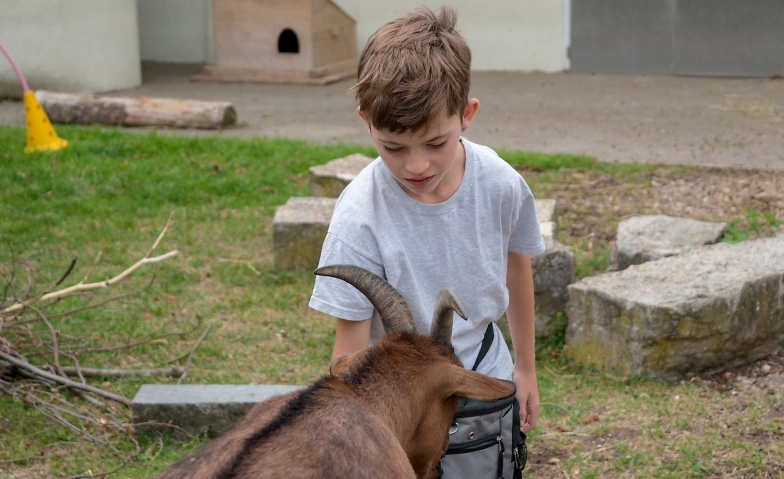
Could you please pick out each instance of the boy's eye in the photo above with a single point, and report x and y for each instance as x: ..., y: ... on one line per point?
x: 440, y: 145
x: 391, y: 150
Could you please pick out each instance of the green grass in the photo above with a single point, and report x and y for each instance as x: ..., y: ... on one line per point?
x: 112, y: 192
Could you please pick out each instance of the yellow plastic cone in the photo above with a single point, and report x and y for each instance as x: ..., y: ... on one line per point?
x: 40, y: 134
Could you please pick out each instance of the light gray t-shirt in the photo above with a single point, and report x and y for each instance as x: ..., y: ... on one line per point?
x: 419, y: 248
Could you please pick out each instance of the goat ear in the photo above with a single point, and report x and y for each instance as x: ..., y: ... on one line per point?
x: 343, y: 366
x: 474, y: 385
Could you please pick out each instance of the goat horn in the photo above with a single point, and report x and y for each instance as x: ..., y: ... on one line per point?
x: 390, y: 305
x: 441, y: 327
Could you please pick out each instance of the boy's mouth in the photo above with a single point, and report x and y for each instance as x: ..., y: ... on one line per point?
x: 419, y: 182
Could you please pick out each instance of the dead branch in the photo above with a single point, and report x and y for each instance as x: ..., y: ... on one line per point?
x: 49, y: 409
x: 21, y: 306
x: 193, y: 350
x: 64, y: 275
x: 82, y: 286
x: 65, y: 382
x: 173, y: 372
x: 137, y: 343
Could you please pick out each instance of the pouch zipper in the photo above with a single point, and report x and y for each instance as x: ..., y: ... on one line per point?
x: 476, y: 445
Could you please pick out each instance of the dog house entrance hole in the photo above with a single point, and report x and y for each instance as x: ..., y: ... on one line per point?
x: 288, y: 42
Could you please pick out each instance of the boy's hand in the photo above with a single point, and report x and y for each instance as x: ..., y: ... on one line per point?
x: 528, y: 395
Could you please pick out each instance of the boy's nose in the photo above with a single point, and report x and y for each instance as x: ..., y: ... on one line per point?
x: 417, y: 164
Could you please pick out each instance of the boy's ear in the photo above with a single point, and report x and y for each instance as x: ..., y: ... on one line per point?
x: 468, y: 113
x: 364, y: 118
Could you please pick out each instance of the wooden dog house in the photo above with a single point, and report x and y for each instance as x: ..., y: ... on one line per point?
x: 297, y: 41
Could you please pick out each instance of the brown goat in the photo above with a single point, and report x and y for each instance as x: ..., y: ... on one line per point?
x: 383, y: 412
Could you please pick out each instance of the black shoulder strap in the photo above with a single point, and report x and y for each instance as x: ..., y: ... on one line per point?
x: 486, y: 342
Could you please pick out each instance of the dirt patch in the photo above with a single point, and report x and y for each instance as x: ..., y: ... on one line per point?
x: 719, y: 423
x: 592, y: 203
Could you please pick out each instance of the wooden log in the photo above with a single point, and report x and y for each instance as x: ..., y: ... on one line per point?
x: 136, y: 111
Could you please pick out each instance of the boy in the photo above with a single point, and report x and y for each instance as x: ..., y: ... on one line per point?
x: 434, y: 210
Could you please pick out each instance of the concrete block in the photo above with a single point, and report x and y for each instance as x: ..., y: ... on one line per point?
x: 329, y: 180
x: 647, y: 238
x: 716, y: 306
x: 198, y: 408
x: 553, y: 272
x: 546, y: 210
x: 299, y: 229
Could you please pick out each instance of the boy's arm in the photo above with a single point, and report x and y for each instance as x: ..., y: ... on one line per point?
x: 520, y: 316
x: 350, y: 336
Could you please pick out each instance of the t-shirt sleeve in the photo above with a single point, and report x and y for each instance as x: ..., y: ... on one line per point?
x: 526, y: 237
x: 334, y: 296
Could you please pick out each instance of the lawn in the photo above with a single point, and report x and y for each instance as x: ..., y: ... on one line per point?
x: 111, y: 192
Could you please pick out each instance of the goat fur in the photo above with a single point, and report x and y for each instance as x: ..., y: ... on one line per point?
x: 383, y: 412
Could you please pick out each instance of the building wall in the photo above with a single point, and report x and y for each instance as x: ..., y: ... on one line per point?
x: 678, y: 37
x: 176, y: 31
x: 71, y: 46
x: 503, y: 34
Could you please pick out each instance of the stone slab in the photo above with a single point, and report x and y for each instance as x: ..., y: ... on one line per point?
x: 647, y: 238
x: 329, y: 180
x: 198, y: 408
x: 717, y: 306
x: 299, y: 228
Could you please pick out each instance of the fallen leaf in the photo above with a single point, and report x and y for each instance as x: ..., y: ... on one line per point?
x: 593, y: 417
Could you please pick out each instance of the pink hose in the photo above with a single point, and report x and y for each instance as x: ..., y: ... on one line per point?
x: 16, y: 68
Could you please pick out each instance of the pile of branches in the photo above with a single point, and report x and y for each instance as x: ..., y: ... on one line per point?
x: 40, y: 366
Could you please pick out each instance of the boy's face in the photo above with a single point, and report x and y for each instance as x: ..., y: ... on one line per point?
x: 428, y: 164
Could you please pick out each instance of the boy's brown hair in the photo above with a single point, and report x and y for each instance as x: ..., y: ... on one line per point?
x: 412, y: 70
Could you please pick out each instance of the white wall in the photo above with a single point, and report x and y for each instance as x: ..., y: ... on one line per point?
x: 176, y: 31
x: 503, y: 34
x: 70, y: 45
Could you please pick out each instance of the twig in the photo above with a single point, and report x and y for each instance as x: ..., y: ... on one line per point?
x: 92, y: 268
x: 556, y: 405
x: 240, y: 261
x: 56, y: 353
x: 65, y: 275
x: 559, y: 375
x: 84, y: 395
x: 80, y: 286
x: 565, y: 434
x: 106, y: 301
x: 99, y: 474
x: 101, y: 284
x: 136, y: 343
x: 64, y: 381
x: 174, y: 372
x: 193, y: 350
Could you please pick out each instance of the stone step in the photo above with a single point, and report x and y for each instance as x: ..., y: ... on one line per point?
x: 298, y: 231
x: 647, y: 238
x: 717, y: 306
x: 329, y: 180
x: 300, y: 226
x: 198, y: 408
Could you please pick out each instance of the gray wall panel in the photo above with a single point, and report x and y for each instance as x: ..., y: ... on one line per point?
x: 629, y: 36
x: 729, y: 37
x: 685, y: 37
